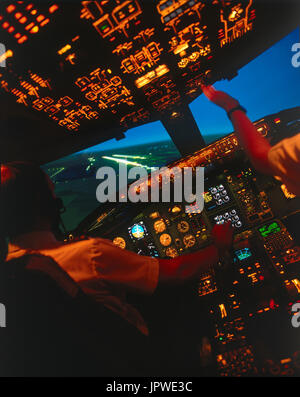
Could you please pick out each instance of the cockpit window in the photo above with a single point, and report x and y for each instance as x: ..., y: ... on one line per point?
x: 74, y: 176
x: 276, y: 87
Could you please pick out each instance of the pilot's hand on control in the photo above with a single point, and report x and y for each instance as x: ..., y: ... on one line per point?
x: 223, y: 237
x: 220, y: 98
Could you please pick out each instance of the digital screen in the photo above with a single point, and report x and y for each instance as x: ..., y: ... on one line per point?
x: 272, y: 228
x: 138, y: 231
x: 243, y: 254
x: 229, y: 216
x: 215, y: 197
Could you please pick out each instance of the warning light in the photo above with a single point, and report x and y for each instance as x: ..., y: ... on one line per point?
x: 272, y: 304
x: 11, y: 29
x: 23, y: 20
x: 34, y: 12
x: 5, y: 25
x: 18, y: 15
x: 277, y: 121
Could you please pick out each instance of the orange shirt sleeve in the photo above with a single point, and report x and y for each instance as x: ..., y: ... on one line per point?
x: 124, y: 268
x: 284, y: 159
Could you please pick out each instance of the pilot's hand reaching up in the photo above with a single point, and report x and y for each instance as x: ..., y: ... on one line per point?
x: 220, y: 98
x: 281, y: 161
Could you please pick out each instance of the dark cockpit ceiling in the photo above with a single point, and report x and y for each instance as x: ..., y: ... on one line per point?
x: 75, y: 74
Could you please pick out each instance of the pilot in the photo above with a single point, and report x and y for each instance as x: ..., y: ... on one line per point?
x: 281, y: 160
x: 30, y: 219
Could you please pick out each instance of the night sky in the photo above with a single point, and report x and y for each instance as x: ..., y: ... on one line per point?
x: 266, y: 85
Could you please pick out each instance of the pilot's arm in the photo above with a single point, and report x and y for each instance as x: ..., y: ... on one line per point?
x: 130, y: 271
x: 182, y: 268
x: 282, y: 160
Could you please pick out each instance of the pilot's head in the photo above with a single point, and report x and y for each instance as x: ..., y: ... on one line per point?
x: 28, y: 202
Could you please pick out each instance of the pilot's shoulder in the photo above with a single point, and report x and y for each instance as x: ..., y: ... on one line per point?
x: 87, y: 241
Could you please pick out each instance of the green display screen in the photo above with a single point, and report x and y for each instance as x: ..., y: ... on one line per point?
x: 269, y: 229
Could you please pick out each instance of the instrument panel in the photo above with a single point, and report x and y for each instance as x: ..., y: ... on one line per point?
x: 121, y: 62
x: 168, y: 231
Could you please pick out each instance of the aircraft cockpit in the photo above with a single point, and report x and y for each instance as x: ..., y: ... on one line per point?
x: 106, y: 83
